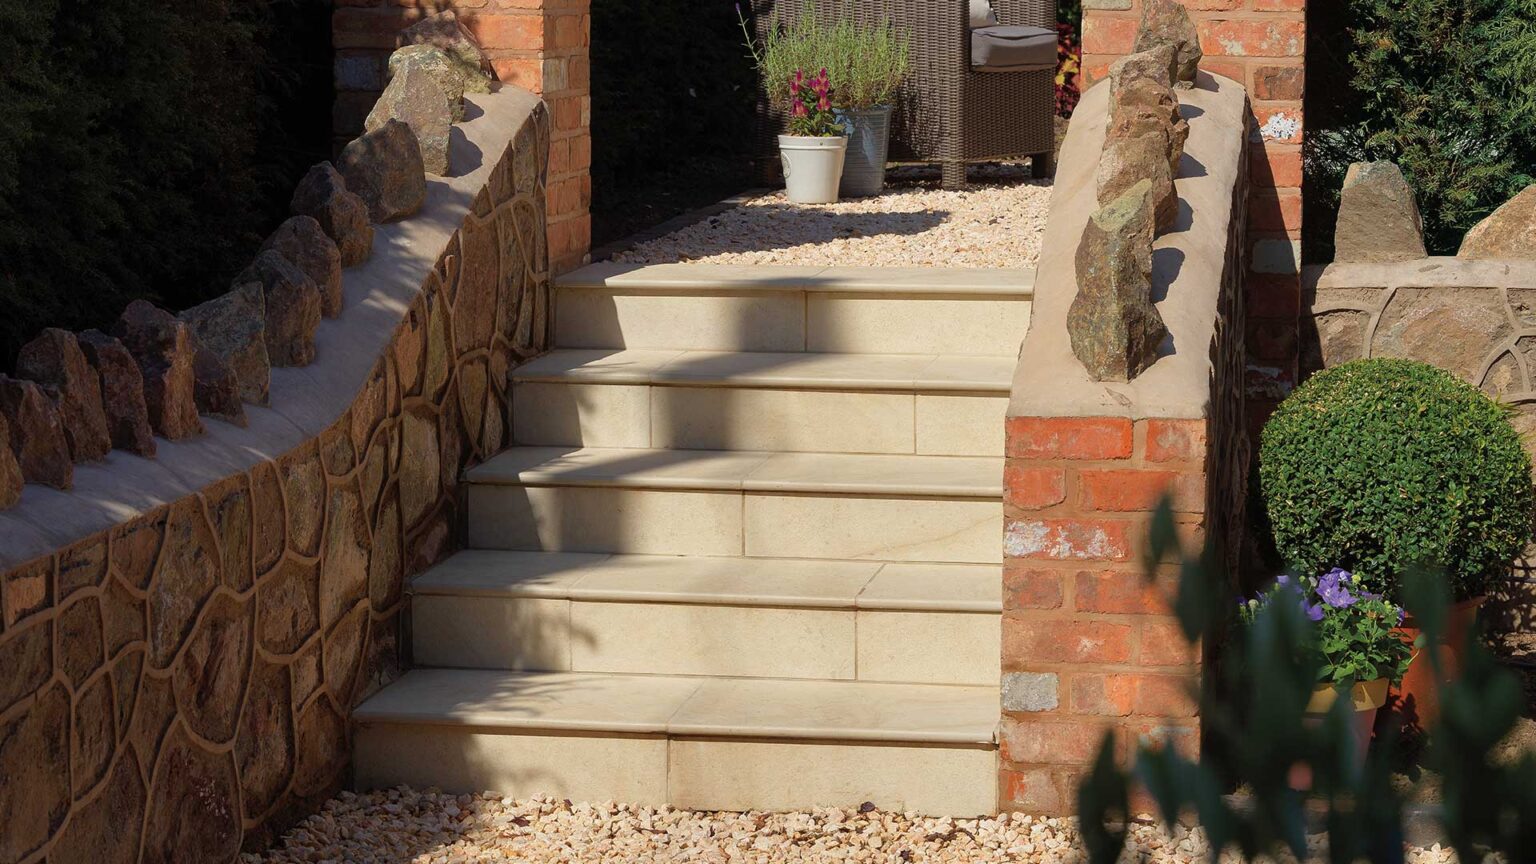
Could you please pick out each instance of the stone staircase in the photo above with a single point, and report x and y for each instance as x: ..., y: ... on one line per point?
x: 745, y: 553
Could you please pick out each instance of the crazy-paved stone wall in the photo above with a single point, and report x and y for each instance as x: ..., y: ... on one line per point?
x: 178, y: 684
x: 540, y: 45
x: 1261, y: 44
x: 1088, y: 644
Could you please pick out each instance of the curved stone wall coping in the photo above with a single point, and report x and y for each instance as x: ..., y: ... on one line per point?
x: 304, y: 401
x: 1432, y: 272
x: 1189, y: 259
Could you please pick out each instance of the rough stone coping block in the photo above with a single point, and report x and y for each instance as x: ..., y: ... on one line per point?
x: 1188, y: 261
x: 711, y: 581
x: 1434, y: 272
x: 695, y: 706
x: 896, y: 476
x: 792, y: 370
x: 304, y: 401
x: 706, y: 278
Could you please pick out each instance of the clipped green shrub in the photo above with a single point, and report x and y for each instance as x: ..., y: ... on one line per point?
x: 1379, y: 465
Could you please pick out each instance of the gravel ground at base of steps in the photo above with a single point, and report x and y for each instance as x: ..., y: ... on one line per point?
x: 996, y: 221
x: 402, y: 825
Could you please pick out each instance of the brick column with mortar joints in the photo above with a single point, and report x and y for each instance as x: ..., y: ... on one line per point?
x: 540, y: 45
x: 1089, y: 644
x: 1262, y: 45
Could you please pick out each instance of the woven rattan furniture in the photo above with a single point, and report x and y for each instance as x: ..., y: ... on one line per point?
x: 947, y: 111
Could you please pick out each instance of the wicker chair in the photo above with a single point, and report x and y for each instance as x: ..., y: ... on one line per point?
x: 947, y: 111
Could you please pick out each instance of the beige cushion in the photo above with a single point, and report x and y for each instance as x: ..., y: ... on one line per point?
x: 982, y: 14
x: 1012, y: 49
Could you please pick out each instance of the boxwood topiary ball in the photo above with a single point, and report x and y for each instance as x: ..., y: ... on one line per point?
x: 1378, y: 465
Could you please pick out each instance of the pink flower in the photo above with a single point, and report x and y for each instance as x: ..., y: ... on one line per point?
x: 799, y: 110
x: 824, y: 104
x: 794, y: 83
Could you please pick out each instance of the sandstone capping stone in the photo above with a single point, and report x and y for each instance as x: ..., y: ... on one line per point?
x: 443, y: 30
x: 233, y: 328
x: 10, y: 470
x: 163, y: 348
x: 54, y: 360
x: 293, y: 308
x: 216, y: 387
x: 384, y: 167
x: 449, y: 73
x: 1114, y: 328
x: 305, y: 244
x: 1508, y: 232
x: 1378, y: 217
x: 1168, y: 22
x: 122, y: 392
x: 415, y: 98
x: 36, y: 433
x: 323, y: 196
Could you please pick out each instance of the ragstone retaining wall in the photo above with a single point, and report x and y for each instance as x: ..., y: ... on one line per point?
x: 182, y: 640
x: 1088, y: 644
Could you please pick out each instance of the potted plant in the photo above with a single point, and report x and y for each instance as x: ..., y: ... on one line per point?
x: 1354, y: 642
x: 815, y: 147
x: 868, y: 62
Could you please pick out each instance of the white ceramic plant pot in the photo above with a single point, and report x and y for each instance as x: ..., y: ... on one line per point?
x: 813, y: 167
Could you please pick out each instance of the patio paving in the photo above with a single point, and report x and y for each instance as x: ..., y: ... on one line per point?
x: 997, y: 221
x: 402, y: 825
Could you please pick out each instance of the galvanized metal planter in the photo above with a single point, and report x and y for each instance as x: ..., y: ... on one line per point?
x: 869, y: 144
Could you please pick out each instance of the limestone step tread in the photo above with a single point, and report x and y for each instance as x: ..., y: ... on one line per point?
x: 676, y: 278
x: 693, y: 707
x: 811, y: 371
x: 750, y: 471
x: 704, y: 580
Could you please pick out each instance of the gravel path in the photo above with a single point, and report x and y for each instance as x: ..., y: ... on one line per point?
x: 995, y: 222
x: 399, y: 826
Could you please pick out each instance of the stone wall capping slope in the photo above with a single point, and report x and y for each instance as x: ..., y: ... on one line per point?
x: 1189, y: 264
x: 378, y: 294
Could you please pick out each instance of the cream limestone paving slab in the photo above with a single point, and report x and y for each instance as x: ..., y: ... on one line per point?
x: 931, y: 647
x: 633, y: 468
x: 868, y: 528
x: 579, y: 766
x: 922, y: 324
x: 959, y: 372
x: 683, y: 277
x: 581, y: 415
x: 307, y: 401
x: 864, y: 474
x: 492, y: 632
x: 787, y: 775
x: 732, y: 581
x: 844, y: 710
x: 939, y: 587
x: 484, y: 572
x: 596, y: 365
x: 1002, y: 281
x: 606, y: 519
x: 797, y: 369
x: 692, y: 639
x: 970, y: 425
x: 825, y: 421
x: 600, y: 318
x: 552, y: 701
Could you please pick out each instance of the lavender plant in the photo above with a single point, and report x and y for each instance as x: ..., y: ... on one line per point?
x: 1353, y: 636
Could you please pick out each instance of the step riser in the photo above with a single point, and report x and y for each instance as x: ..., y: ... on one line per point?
x: 791, y: 321
x: 695, y: 773
x: 729, y: 418
x: 758, y: 525
x: 539, y: 634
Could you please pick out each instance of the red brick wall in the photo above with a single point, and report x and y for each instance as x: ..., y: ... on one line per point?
x: 1262, y: 45
x: 1088, y: 643
x: 541, y: 45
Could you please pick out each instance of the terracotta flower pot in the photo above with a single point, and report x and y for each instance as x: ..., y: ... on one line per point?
x: 1366, y: 697
x: 1413, y: 705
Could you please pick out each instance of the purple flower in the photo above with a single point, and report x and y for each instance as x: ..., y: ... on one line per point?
x: 1334, y: 590
x: 1315, y: 612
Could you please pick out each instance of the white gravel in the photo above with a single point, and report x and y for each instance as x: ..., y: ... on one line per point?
x: 995, y: 222
x: 400, y: 825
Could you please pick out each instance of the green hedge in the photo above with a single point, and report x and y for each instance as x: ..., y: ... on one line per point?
x: 142, y: 152
x: 1379, y: 465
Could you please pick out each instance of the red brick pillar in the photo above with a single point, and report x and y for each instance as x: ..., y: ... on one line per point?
x: 1262, y: 45
x: 541, y: 45
x: 1088, y: 643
